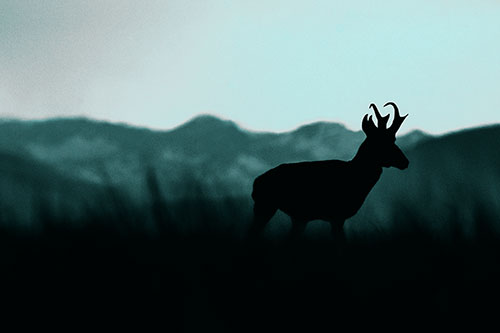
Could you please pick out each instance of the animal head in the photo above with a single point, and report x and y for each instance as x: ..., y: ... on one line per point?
x: 381, y: 141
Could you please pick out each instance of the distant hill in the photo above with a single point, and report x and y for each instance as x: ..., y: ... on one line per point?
x: 454, y: 177
x: 27, y: 184
x: 216, y: 153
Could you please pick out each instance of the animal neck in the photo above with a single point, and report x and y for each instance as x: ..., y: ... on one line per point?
x: 366, y: 161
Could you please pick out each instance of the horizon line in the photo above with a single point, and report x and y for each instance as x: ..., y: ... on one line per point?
x: 224, y: 119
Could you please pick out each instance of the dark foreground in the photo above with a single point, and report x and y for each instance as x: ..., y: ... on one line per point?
x: 209, y: 279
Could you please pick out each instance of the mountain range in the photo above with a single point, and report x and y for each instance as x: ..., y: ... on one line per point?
x: 207, y: 149
x: 72, y: 159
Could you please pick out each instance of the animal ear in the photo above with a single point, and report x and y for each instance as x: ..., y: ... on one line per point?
x: 368, y: 125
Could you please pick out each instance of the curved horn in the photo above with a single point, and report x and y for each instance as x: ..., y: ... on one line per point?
x: 398, y: 120
x: 382, y: 121
x: 368, y: 125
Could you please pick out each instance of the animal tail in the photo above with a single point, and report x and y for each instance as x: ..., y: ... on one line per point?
x: 262, y: 190
x: 255, y: 190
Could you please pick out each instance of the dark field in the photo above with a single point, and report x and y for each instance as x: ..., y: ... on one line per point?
x: 143, y: 265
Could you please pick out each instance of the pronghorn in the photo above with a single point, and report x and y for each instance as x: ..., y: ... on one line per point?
x: 330, y: 190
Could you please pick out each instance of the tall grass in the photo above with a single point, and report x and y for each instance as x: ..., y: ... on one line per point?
x: 186, y: 265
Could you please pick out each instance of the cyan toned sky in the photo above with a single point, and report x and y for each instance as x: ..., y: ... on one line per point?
x: 268, y: 65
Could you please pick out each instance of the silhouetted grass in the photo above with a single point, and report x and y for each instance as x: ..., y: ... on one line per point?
x: 186, y: 265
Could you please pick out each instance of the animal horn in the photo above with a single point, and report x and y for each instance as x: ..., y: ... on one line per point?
x: 382, y: 121
x: 398, y: 120
x: 368, y: 125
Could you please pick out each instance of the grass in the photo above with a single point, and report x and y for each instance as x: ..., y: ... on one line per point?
x: 187, y: 266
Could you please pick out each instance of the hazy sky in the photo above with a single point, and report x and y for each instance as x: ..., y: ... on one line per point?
x: 269, y: 65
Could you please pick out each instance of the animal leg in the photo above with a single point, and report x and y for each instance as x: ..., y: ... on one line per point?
x: 262, y: 213
x: 338, y: 234
x: 297, y: 230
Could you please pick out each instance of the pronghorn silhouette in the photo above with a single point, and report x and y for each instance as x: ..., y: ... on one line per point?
x: 330, y: 190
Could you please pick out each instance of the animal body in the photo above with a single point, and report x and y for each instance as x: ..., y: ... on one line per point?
x: 330, y: 190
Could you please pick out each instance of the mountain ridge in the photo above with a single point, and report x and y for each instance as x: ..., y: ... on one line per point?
x: 222, y: 159
x: 198, y: 119
x: 207, y: 148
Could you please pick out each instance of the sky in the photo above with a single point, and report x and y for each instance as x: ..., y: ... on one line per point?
x: 269, y: 65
